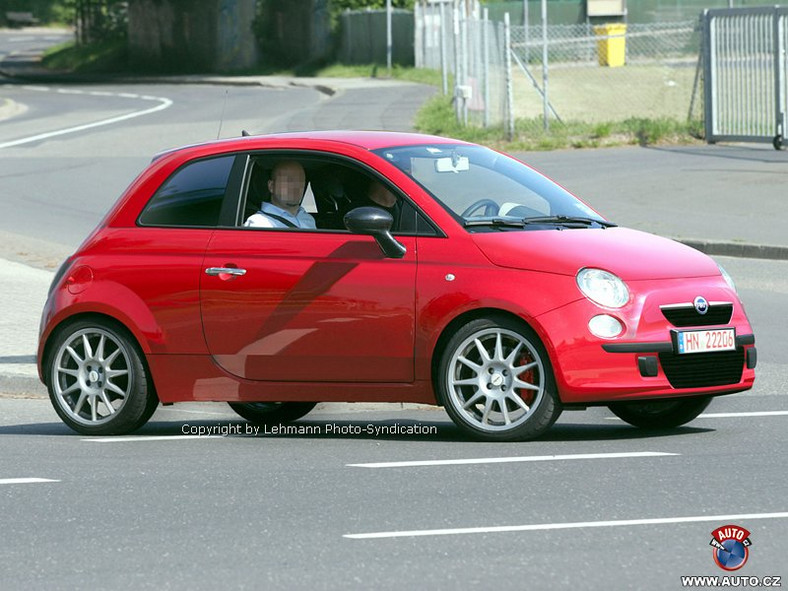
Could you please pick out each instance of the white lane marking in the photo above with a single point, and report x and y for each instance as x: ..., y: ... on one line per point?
x: 25, y: 480
x: 164, y: 103
x: 149, y: 438
x: 639, y: 454
x: 553, y: 526
x: 728, y: 415
x: 731, y: 415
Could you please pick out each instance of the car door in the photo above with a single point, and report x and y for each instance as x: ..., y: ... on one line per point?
x: 312, y: 306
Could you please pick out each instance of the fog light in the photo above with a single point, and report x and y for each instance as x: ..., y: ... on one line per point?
x: 605, y: 327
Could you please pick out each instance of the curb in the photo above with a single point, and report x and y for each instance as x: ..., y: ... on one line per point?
x: 740, y: 250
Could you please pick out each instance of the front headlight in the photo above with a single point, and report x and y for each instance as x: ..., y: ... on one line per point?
x: 728, y: 279
x: 603, y: 288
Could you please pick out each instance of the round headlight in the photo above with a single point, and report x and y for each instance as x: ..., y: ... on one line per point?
x: 603, y: 288
x: 728, y: 279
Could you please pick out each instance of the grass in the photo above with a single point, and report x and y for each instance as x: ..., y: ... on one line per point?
x: 437, y: 117
x: 94, y: 58
x: 593, y: 96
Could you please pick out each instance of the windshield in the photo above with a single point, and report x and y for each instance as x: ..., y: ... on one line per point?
x: 486, y: 189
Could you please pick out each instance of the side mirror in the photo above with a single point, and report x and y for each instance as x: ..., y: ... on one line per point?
x: 375, y: 222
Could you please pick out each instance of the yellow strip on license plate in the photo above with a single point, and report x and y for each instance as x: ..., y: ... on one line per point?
x: 704, y: 341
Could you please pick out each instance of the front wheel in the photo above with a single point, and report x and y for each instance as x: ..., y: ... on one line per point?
x: 97, y: 379
x: 271, y: 413
x: 660, y: 414
x: 496, y: 381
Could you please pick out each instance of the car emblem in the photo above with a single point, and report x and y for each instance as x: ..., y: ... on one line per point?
x: 701, y: 305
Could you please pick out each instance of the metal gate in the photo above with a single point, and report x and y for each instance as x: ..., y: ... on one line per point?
x: 746, y: 74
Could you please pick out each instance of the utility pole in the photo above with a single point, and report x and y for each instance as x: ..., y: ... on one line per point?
x: 388, y: 34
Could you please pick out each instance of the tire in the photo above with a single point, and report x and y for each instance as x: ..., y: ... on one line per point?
x: 660, y: 414
x: 272, y: 413
x: 97, y: 379
x: 496, y: 381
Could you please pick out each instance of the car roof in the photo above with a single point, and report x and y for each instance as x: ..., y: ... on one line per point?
x: 369, y: 140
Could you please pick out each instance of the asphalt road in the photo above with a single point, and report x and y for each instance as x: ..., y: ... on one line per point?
x: 168, y: 509
x: 172, y: 509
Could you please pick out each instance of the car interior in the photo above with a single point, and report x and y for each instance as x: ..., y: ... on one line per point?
x: 332, y: 190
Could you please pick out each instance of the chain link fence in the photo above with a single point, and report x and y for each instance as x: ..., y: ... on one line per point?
x: 469, y: 50
x: 572, y: 73
x: 608, y: 73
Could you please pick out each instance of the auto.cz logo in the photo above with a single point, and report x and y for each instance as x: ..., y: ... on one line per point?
x: 731, y: 546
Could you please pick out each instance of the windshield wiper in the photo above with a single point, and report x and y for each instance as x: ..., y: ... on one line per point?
x: 562, y: 220
x: 496, y: 221
x: 567, y: 220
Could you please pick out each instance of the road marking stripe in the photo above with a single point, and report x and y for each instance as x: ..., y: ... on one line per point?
x: 149, y: 438
x: 164, y: 103
x: 639, y: 454
x: 552, y: 526
x: 727, y: 415
x: 25, y: 480
x: 730, y: 415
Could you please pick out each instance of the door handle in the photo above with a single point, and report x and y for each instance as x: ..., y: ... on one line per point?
x: 225, y: 271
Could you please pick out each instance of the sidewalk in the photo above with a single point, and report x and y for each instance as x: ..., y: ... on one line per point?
x: 21, y: 299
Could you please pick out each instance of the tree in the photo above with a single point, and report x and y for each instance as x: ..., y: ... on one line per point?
x: 98, y: 20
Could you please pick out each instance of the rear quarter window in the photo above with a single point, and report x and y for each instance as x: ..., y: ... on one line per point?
x: 191, y: 197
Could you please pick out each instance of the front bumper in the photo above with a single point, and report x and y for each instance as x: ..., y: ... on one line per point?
x: 643, y: 362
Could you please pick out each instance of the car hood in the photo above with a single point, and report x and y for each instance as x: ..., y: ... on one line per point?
x: 630, y: 254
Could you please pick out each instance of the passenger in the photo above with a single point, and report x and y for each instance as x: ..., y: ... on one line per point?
x: 379, y: 196
x: 287, y: 186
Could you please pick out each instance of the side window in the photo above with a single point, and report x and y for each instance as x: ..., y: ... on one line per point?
x: 328, y: 187
x: 192, y: 196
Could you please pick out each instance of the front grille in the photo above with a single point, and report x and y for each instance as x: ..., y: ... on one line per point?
x: 699, y: 370
x: 687, y: 315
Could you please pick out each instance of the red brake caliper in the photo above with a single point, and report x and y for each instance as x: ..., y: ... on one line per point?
x: 528, y: 377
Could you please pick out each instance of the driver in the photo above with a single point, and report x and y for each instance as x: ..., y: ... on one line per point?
x: 287, y: 186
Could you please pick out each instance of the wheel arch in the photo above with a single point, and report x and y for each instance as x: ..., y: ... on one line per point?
x: 468, y: 316
x: 100, y: 317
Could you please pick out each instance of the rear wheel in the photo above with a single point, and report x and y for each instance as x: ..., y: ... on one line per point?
x: 97, y: 380
x: 270, y: 413
x: 660, y: 414
x: 496, y: 381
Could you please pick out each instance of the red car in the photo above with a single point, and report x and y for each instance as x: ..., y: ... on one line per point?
x: 485, y: 288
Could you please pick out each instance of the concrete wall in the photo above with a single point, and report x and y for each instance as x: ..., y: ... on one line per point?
x: 296, y: 31
x: 192, y: 35
x: 363, y: 37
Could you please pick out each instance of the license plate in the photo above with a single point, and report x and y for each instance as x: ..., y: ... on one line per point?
x: 703, y: 341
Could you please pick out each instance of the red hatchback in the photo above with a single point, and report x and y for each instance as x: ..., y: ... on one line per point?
x: 275, y: 272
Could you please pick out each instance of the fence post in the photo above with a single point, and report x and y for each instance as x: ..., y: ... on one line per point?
x: 486, y: 64
x: 444, y: 68
x: 457, y: 80
x: 779, y: 80
x: 507, y: 48
x: 525, y: 29
x: 545, y: 99
x: 388, y: 35
x: 465, y: 59
x: 709, y: 79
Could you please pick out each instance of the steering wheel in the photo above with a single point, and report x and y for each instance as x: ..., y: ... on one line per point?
x: 490, y: 208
